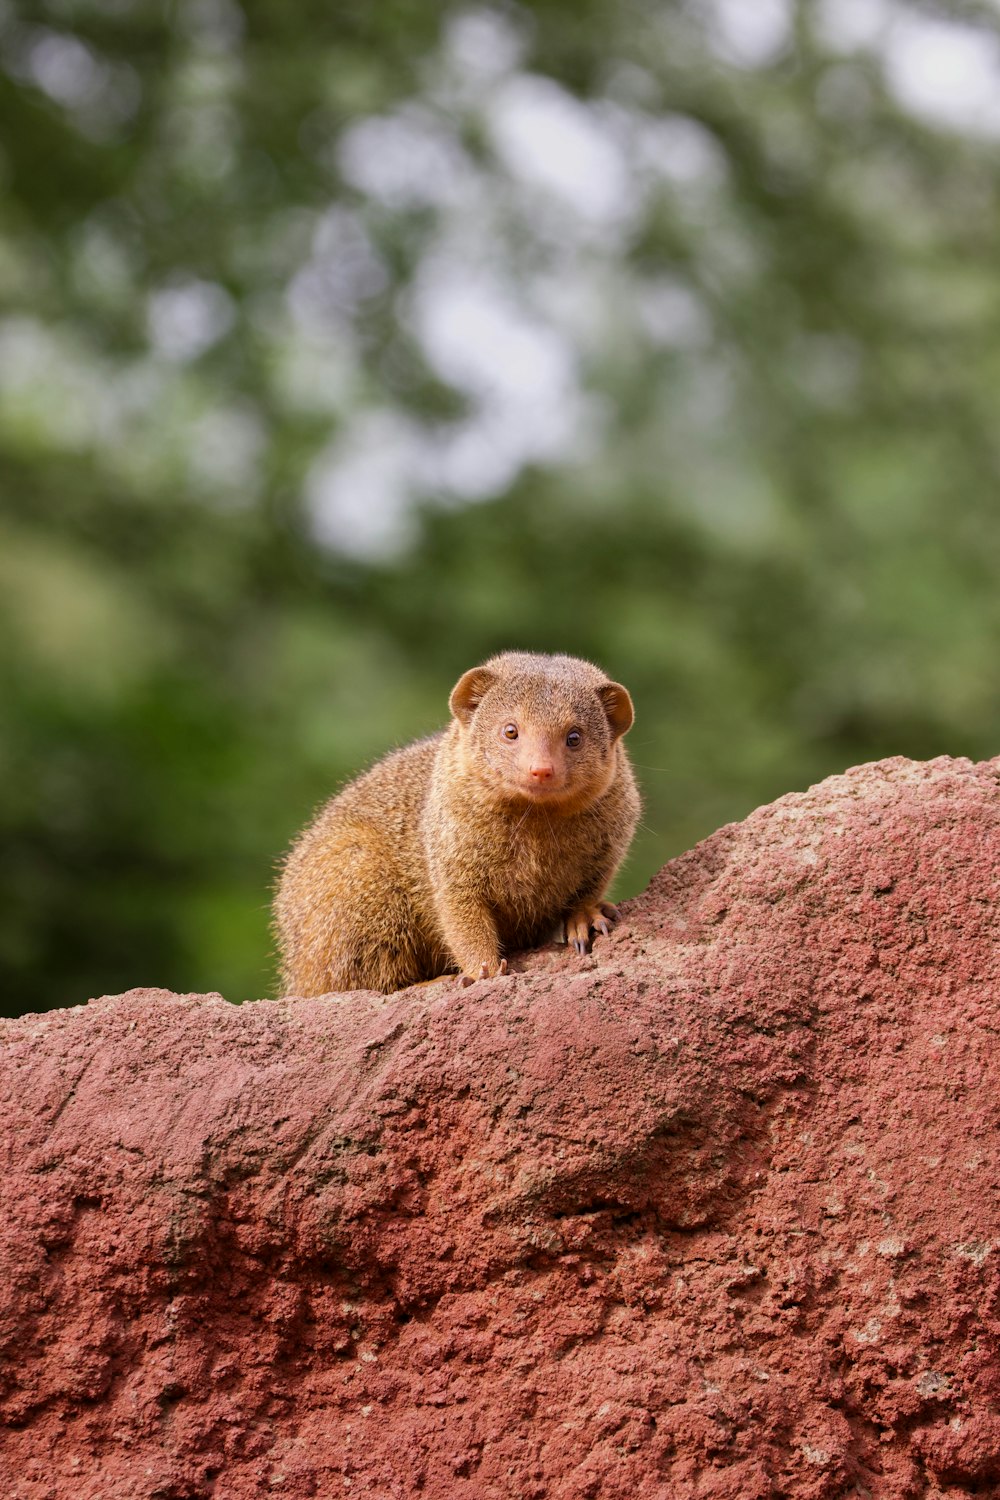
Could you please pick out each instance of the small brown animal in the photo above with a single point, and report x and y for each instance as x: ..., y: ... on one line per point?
x: 477, y: 841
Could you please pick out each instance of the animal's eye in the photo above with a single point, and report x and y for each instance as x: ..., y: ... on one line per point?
x: 510, y: 731
x: 574, y: 739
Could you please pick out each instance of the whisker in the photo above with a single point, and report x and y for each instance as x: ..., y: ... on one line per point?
x: 521, y: 819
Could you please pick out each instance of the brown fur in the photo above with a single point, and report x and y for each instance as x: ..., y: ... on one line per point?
x: 472, y: 843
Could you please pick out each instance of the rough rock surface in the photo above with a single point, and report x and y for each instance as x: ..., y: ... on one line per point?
x: 712, y: 1213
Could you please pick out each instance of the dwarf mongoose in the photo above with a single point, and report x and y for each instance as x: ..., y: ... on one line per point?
x: 462, y: 847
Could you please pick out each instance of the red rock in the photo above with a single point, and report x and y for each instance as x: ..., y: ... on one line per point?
x: 713, y: 1213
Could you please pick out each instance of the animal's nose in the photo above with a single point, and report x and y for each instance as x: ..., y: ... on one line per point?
x: 540, y: 772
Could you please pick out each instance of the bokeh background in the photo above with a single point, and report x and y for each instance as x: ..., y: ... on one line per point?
x: 342, y: 345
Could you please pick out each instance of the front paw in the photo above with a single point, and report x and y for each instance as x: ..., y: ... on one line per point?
x: 486, y: 971
x: 597, y: 917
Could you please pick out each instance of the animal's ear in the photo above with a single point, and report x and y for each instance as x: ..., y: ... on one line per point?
x: 618, y: 707
x: 467, y: 694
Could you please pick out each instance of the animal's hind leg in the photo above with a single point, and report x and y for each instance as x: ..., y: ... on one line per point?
x: 365, y: 942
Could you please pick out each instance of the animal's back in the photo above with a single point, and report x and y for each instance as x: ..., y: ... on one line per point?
x: 354, y: 891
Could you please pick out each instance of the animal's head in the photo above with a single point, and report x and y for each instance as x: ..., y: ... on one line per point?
x: 541, y: 729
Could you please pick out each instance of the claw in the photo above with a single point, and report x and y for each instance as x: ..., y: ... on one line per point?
x: 484, y: 973
x: 598, y: 918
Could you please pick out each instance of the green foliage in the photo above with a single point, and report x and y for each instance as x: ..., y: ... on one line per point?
x: 774, y: 515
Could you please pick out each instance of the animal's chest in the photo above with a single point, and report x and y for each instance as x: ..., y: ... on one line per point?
x: 538, y: 871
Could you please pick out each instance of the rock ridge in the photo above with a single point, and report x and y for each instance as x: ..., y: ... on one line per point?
x: 710, y: 1213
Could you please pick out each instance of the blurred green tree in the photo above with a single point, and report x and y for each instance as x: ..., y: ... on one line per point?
x: 341, y: 346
